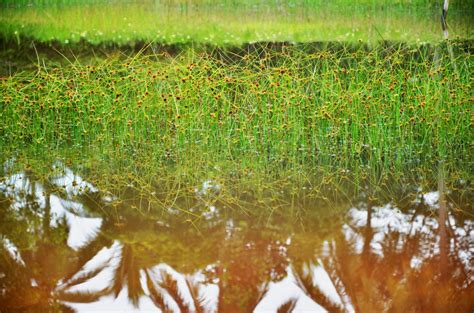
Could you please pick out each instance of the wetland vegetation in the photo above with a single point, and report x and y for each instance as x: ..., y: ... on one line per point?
x: 236, y: 156
x: 231, y: 22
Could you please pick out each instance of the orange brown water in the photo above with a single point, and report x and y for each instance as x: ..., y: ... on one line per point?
x: 62, y: 254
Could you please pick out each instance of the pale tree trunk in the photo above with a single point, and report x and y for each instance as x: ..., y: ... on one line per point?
x: 444, y: 15
x: 444, y: 26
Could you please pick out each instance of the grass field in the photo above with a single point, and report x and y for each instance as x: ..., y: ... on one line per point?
x: 230, y: 22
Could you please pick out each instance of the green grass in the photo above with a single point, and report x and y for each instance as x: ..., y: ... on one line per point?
x: 346, y: 112
x: 254, y: 3
x: 231, y: 22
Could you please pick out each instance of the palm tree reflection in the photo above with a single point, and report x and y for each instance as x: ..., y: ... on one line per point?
x: 379, y: 259
x: 397, y: 267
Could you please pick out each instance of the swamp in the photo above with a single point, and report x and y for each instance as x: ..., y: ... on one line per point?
x: 236, y: 156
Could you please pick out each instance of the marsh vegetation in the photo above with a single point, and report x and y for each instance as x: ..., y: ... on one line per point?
x: 202, y: 156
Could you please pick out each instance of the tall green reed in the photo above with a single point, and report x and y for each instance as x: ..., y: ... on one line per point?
x: 348, y: 111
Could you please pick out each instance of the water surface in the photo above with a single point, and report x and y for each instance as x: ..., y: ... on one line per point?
x: 67, y: 246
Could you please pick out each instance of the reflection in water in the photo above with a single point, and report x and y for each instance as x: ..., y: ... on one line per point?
x: 67, y: 247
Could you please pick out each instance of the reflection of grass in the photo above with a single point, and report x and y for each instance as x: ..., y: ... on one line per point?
x: 225, y: 24
x: 291, y: 112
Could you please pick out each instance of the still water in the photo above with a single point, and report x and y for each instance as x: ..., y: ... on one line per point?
x: 68, y: 247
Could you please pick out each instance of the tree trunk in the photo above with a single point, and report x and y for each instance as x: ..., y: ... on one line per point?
x: 443, y: 215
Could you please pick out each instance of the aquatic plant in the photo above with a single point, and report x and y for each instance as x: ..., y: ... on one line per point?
x: 292, y: 112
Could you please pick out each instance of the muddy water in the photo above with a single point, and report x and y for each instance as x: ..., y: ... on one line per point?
x: 67, y: 247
